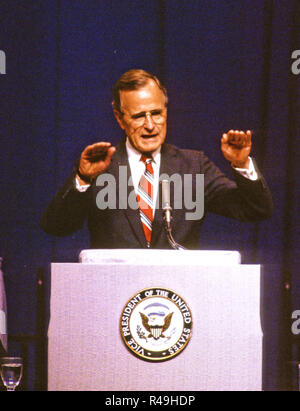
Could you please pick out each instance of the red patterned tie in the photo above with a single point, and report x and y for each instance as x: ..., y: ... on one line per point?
x: 145, y: 198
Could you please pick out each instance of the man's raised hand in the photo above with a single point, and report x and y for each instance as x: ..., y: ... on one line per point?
x: 94, y: 160
x: 236, y: 147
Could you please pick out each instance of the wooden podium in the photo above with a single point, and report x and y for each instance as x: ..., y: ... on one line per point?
x: 85, y: 347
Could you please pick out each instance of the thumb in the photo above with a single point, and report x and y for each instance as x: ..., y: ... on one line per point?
x: 110, y: 152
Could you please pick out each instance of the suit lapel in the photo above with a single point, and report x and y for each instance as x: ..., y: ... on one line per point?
x: 133, y: 216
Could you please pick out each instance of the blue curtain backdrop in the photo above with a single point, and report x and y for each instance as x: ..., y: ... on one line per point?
x: 226, y: 64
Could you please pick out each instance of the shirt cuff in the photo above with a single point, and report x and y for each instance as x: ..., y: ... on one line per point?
x: 249, y: 173
x: 79, y: 187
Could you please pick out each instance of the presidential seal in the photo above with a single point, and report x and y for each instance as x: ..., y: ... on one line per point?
x: 156, y: 324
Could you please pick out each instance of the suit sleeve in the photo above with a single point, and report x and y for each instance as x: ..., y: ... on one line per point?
x: 67, y: 211
x: 241, y: 199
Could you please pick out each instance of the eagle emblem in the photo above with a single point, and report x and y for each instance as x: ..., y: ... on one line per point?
x: 156, y: 330
x: 156, y: 324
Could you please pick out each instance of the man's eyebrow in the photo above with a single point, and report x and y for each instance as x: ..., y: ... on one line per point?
x: 139, y: 114
x: 142, y: 113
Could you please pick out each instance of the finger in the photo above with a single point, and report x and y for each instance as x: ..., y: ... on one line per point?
x: 110, y: 152
x: 245, y: 138
x: 233, y: 137
x: 228, y: 134
x: 98, y: 149
x: 238, y: 139
x: 99, y: 145
x: 241, y: 136
x: 248, y: 137
x: 224, y: 138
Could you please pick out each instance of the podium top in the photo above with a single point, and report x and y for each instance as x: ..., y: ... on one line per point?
x: 159, y: 257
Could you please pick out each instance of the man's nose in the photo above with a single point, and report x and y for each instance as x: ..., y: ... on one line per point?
x: 149, y: 123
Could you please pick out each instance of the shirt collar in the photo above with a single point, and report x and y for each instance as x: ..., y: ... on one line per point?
x: 135, y: 155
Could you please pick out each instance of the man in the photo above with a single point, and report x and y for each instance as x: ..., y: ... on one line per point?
x: 140, y: 108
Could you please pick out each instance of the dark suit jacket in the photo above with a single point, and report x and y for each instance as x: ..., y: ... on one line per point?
x: 242, y: 199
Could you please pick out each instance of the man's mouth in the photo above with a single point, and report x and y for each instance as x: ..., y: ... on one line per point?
x: 148, y: 136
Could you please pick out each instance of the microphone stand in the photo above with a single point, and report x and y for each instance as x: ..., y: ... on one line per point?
x: 167, y: 220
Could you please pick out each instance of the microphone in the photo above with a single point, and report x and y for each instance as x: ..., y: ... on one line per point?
x: 167, y: 211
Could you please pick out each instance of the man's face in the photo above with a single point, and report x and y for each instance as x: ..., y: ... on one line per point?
x: 144, y: 117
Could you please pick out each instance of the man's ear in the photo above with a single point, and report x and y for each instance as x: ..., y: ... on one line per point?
x: 119, y: 118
